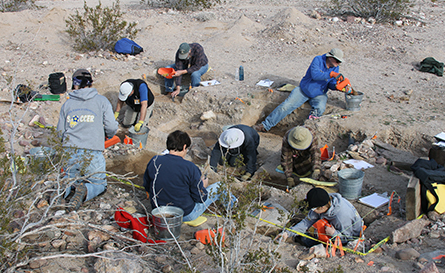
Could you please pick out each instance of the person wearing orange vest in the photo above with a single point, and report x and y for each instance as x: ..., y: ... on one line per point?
x: 344, y: 220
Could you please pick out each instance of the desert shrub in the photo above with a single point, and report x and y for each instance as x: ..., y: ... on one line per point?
x: 15, y: 5
x: 182, y: 4
x: 99, y: 28
x: 381, y: 10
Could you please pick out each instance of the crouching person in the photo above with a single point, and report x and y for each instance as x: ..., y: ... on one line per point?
x: 171, y: 180
x: 84, y: 121
x: 331, y: 212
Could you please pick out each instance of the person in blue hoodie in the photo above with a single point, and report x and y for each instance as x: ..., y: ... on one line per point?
x: 85, y: 119
x: 341, y: 215
x: 321, y: 76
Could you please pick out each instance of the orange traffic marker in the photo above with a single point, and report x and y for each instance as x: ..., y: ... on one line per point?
x: 112, y: 141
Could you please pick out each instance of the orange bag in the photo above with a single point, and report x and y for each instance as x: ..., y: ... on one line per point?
x: 318, y: 230
x: 204, y: 235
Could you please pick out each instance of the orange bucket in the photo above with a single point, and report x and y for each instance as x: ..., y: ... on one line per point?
x: 166, y: 72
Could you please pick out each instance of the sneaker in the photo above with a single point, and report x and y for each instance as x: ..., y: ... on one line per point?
x: 259, y: 127
x: 313, y: 117
x: 78, y: 197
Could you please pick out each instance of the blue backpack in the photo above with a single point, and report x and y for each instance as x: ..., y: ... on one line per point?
x: 127, y: 46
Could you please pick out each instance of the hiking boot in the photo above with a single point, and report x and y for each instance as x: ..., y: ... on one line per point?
x: 78, y: 197
x: 259, y: 128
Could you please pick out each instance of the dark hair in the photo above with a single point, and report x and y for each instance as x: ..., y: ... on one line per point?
x: 177, y: 140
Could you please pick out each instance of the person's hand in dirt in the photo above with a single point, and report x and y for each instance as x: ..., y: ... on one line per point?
x: 176, y: 92
x: 179, y: 73
x: 290, y: 182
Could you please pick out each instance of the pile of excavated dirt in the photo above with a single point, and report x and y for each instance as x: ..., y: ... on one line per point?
x: 273, y: 40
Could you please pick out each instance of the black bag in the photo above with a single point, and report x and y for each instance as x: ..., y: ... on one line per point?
x: 432, y: 66
x: 57, y: 83
x: 24, y: 93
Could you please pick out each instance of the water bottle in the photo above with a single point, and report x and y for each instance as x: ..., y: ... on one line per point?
x: 237, y: 74
x: 241, y: 73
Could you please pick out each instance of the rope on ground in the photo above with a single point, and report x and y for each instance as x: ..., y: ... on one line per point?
x: 126, y: 182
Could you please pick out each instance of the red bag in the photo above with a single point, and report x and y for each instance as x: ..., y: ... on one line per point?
x: 139, y: 225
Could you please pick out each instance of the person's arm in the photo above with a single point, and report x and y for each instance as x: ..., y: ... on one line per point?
x: 304, y: 224
x: 286, y: 157
x: 61, y: 124
x: 119, y: 105
x: 250, y: 156
x: 215, y: 156
x: 110, y: 123
x: 316, y: 157
x: 198, y: 191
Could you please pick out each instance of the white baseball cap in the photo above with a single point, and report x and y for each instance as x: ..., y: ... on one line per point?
x: 125, y: 90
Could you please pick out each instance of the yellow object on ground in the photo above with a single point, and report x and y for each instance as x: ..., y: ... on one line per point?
x: 287, y: 87
x: 319, y: 183
x: 440, y: 191
x: 197, y: 222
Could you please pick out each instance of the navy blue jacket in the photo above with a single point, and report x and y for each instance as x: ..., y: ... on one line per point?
x: 248, y: 149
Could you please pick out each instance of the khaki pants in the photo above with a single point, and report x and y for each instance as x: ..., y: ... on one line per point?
x: 131, y: 116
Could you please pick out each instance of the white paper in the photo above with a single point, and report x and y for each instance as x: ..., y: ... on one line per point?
x: 265, y: 83
x: 374, y: 200
x: 211, y: 82
x: 358, y: 164
x: 440, y: 136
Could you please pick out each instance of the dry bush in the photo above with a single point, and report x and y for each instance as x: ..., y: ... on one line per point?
x: 182, y: 4
x: 16, y: 5
x: 381, y: 10
x: 99, y: 28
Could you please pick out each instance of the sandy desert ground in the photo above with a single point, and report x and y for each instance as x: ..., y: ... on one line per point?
x: 273, y: 40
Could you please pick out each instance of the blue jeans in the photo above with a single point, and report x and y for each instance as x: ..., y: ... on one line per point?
x: 98, y: 182
x: 201, y: 207
x: 195, y: 77
x: 296, y: 99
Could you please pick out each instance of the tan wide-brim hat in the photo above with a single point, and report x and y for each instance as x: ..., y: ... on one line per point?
x: 336, y: 53
x: 231, y: 138
x: 299, y: 138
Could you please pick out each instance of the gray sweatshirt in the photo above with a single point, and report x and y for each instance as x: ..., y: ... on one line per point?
x: 342, y: 215
x: 85, y: 119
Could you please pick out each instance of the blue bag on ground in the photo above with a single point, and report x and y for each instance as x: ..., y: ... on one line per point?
x: 127, y: 46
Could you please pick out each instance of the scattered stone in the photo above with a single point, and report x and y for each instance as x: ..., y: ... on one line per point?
x: 160, y: 259
x: 378, y: 250
x: 42, y: 203
x: 195, y: 250
x: 418, y: 265
x: 119, y: 262
x: 315, y: 14
x: 166, y: 268
x: 307, y: 266
x: 110, y: 246
x: 433, y: 215
x: 430, y: 268
x: 318, y: 250
x: 208, y: 115
x: 358, y: 260
x: 200, y: 246
x: 23, y: 143
x: 407, y: 254
x: 105, y: 206
x: 58, y: 243
x: 410, y: 230
x: 35, y: 143
x: 385, y: 269
x: 434, y: 234
x: 37, y: 264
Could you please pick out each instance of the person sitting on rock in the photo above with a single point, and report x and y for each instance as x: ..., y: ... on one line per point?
x: 300, y: 155
x: 233, y: 142
x: 84, y: 121
x: 171, y: 180
x: 189, y: 59
x: 322, y: 75
x: 340, y: 215
x: 139, y: 103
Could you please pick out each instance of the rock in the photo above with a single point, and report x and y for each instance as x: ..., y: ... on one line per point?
x: 385, y: 269
x: 315, y: 14
x: 410, y: 230
x: 434, y: 234
x: 42, y: 203
x: 35, y: 118
x: 119, y: 262
x: 318, y: 250
x: 110, y: 246
x: 58, y: 243
x: 418, y: 265
x: 380, y: 161
x: 160, y: 259
x: 195, y: 250
x: 23, y: 143
x: 433, y: 215
x: 166, y: 268
x: 430, y: 268
x: 35, y: 143
x: 306, y: 266
x: 407, y: 254
x: 105, y: 206
x: 208, y: 115
x: 200, y: 246
x: 358, y: 260
x: 37, y: 264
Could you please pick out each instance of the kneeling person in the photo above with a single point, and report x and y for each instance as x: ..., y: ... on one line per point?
x: 140, y: 101
x: 344, y: 220
x: 237, y: 140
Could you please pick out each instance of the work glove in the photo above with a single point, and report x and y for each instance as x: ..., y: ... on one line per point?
x: 315, y: 174
x: 337, y: 76
x: 138, y: 125
x: 116, y: 115
x: 246, y: 176
x: 290, y: 182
